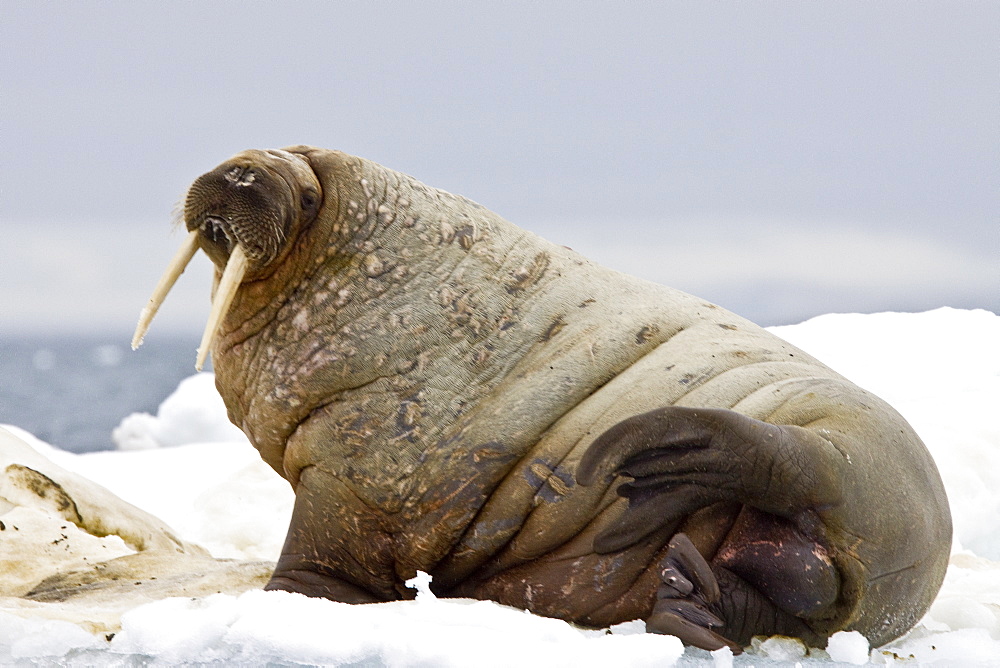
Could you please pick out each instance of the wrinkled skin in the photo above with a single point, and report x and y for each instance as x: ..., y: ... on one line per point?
x: 449, y: 393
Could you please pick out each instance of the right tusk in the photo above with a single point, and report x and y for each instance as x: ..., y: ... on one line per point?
x: 236, y: 267
x: 174, y: 269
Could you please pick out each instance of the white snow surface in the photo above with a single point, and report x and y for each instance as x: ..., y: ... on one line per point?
x: 940, y: 369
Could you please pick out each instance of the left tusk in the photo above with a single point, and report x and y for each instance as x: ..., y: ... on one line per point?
x: 173, y: 271
x: 236, y: 267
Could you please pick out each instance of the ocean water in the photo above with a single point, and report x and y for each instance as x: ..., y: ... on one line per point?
x: 71, y: 391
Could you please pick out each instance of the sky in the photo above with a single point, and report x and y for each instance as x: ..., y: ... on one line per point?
x: 780, y: 159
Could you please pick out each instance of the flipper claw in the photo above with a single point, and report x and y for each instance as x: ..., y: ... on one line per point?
x: 673, y: 624
x: 687, y: 591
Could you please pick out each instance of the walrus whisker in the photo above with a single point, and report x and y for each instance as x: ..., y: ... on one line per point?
x: 167, y: 280
x: 236, y: 267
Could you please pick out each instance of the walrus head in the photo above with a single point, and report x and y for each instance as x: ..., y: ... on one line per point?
x: 244, y: 214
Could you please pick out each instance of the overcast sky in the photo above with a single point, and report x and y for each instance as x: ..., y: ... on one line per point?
x: 783, y: 159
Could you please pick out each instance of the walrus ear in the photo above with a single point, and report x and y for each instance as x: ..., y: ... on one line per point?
x: 176, y: 267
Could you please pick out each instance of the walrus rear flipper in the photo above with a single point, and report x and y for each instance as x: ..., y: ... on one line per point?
x: 684, y: 459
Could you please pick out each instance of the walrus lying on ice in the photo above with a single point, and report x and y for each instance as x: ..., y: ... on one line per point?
x: 449, y: 393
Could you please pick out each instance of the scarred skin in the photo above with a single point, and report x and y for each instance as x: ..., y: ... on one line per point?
x: 437, y: 385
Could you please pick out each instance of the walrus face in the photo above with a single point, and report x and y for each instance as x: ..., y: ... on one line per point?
x: 244, y: 214
x: 256, y: 201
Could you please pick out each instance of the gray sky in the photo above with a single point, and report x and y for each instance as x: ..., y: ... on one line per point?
x: 782, y: 159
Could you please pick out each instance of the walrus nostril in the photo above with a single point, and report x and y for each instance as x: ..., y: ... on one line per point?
x: 240, y: 176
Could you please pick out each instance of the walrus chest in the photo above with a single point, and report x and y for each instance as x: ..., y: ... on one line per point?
x: 396, y: 456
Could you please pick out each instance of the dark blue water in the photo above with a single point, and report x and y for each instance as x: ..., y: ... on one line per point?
x: 71, y: 391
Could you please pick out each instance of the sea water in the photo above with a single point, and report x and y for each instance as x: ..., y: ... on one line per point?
x: 72, y: 390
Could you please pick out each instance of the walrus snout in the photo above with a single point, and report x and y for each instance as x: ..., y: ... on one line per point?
x: 242, y: 214
x: 240, y: 204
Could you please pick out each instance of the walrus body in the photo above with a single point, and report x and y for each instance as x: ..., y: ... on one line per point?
x: 449, y: 393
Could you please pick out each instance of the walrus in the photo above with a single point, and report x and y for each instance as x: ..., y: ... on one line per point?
x: 449, y: 393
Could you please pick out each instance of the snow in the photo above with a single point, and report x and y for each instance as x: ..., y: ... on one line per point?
x: 180, y: 419
x: 848, y: 647
x: 940, y: 369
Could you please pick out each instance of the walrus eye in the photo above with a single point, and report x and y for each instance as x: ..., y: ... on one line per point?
x: 308, y: 200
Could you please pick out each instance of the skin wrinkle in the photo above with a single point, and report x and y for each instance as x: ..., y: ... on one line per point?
x: 773, y: 387
x: 536, y: 490
x: 603, y: 509
x: 587, y: 435
x: 267, y: 313
x: 571, y: 448
x: 639, y: 573
x: 724, y: 373
x: 818, y: 433
x: 875, y: 578
x: 705, y: 381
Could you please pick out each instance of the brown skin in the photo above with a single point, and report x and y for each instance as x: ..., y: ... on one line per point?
x: 446, y: 392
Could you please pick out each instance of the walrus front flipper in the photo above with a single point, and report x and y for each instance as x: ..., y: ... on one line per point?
x: 322, y: 557
x: 684, y: 459
x: 306, y: 579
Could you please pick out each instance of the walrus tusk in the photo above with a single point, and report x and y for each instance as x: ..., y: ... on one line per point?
x: 173, y: 270
x: 236, y: 267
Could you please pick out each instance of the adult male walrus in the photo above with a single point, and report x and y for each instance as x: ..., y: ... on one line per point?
x: 446, y: 392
